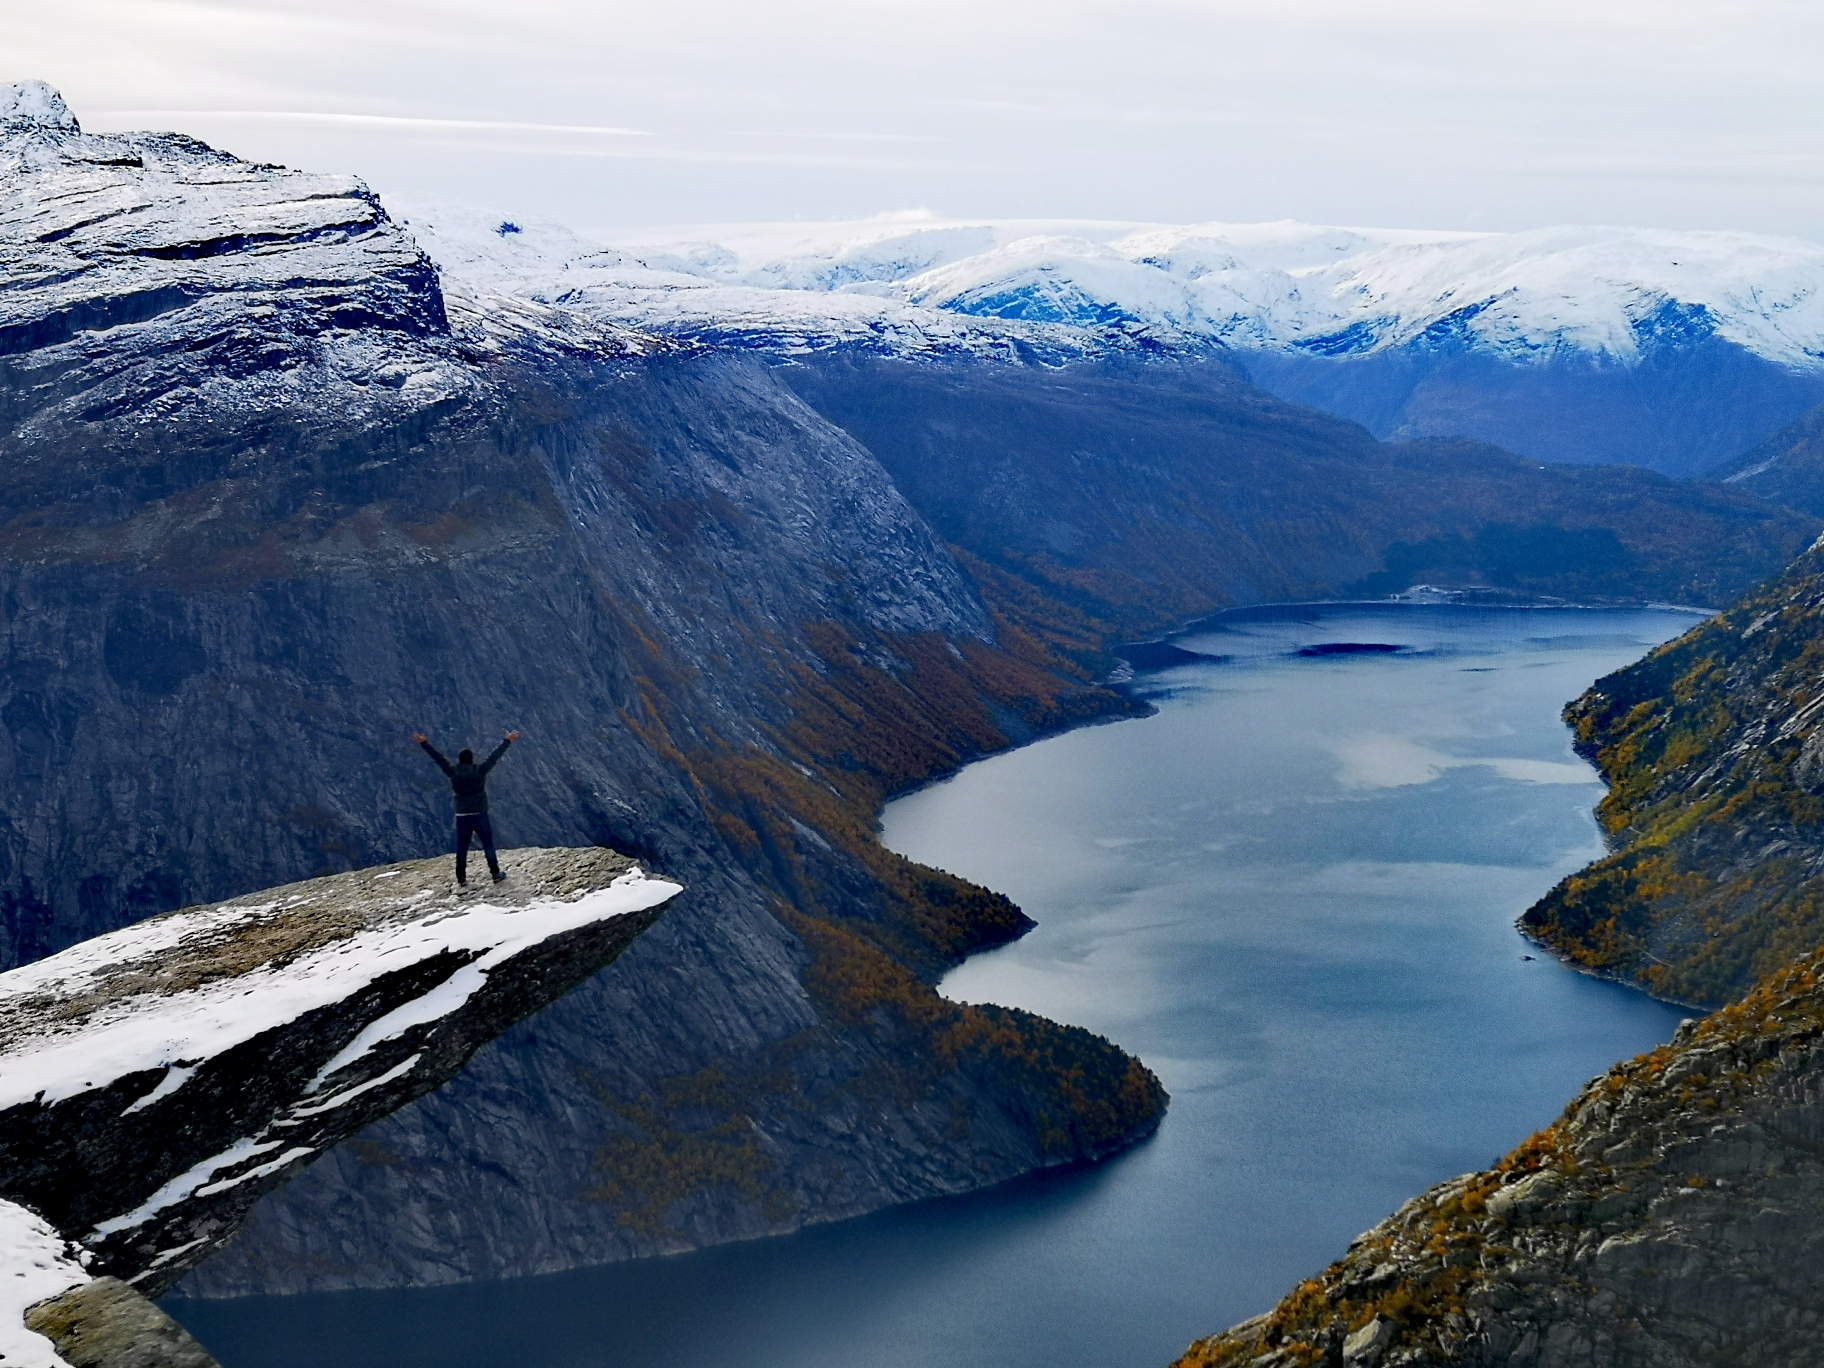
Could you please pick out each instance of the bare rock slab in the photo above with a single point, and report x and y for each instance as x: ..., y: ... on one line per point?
x: 55, y: 1314
x: 106, y: 1324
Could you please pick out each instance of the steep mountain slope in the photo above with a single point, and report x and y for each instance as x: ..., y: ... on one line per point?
x: 1147, y: 491
x: 1670, y: 1218
x: 1681, y: 406
x: 277, y: 500
x: 1712, y: 750
x: 1787, y: 468
x: 1121, y: 465
x: 1239, y: 498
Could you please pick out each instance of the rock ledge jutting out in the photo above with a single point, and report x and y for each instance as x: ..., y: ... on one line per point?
x: 156, y: 1081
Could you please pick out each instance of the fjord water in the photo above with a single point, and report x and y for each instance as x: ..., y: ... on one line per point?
x: 1291, y: 891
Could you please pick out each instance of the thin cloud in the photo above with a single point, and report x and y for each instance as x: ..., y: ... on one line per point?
x: 386, y: 121
x: 1677, y: 113
x: 714, y: 157
x: 1678, y: 175
x: 831, y: 137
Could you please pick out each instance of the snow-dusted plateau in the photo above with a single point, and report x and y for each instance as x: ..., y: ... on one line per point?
x: 1609, y: 294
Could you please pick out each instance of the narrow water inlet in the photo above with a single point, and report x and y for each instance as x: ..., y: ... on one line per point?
x: 1291, y: 891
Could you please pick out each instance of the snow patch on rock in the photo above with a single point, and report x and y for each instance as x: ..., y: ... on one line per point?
x: 35, y: 102
x: 36, y: 1264
x: 705, y: 293
x: 137, y: 1020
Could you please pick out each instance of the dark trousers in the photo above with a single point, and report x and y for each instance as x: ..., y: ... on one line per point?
x: 470, y: 824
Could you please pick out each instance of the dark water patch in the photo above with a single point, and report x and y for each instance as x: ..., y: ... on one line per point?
x: 1336, y: 648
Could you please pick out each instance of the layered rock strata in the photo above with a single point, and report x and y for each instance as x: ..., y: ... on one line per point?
x: 1672, y: 1217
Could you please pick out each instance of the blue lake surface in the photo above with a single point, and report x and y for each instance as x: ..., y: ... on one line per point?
x: 1292, y: 893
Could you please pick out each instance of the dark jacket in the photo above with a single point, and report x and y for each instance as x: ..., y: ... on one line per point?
x: 470, y: 781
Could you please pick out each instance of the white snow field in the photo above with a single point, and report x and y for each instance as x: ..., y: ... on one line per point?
x: 85, y: 213
x: 36, y: 1264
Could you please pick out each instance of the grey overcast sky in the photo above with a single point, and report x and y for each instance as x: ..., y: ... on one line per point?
x: 612, y: 113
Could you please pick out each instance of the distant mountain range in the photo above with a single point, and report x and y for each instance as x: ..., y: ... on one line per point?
x: 1676, y: 351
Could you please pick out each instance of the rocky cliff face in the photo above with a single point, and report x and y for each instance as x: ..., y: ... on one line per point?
x: 1786, y: 468
x: 1715, y: 807
x: 1670, y: 1217
x: 279, y: 499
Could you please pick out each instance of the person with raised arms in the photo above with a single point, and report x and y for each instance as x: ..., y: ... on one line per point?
x: 470, y: 783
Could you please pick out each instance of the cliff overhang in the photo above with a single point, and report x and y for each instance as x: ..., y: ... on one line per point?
x: 155, y: 1082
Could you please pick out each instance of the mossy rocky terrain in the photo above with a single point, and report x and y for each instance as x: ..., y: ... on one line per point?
x: 1713, y: 748
x: 1670, y: 1217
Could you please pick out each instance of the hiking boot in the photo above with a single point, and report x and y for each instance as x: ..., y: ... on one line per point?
x: 499, y: 874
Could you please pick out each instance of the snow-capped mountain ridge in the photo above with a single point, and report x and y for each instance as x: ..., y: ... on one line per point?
x: 1610, y: 294
x: 708, y: 293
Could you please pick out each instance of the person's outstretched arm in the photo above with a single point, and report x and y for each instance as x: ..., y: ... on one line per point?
x: 435, y: 754
x: 499, y: 751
